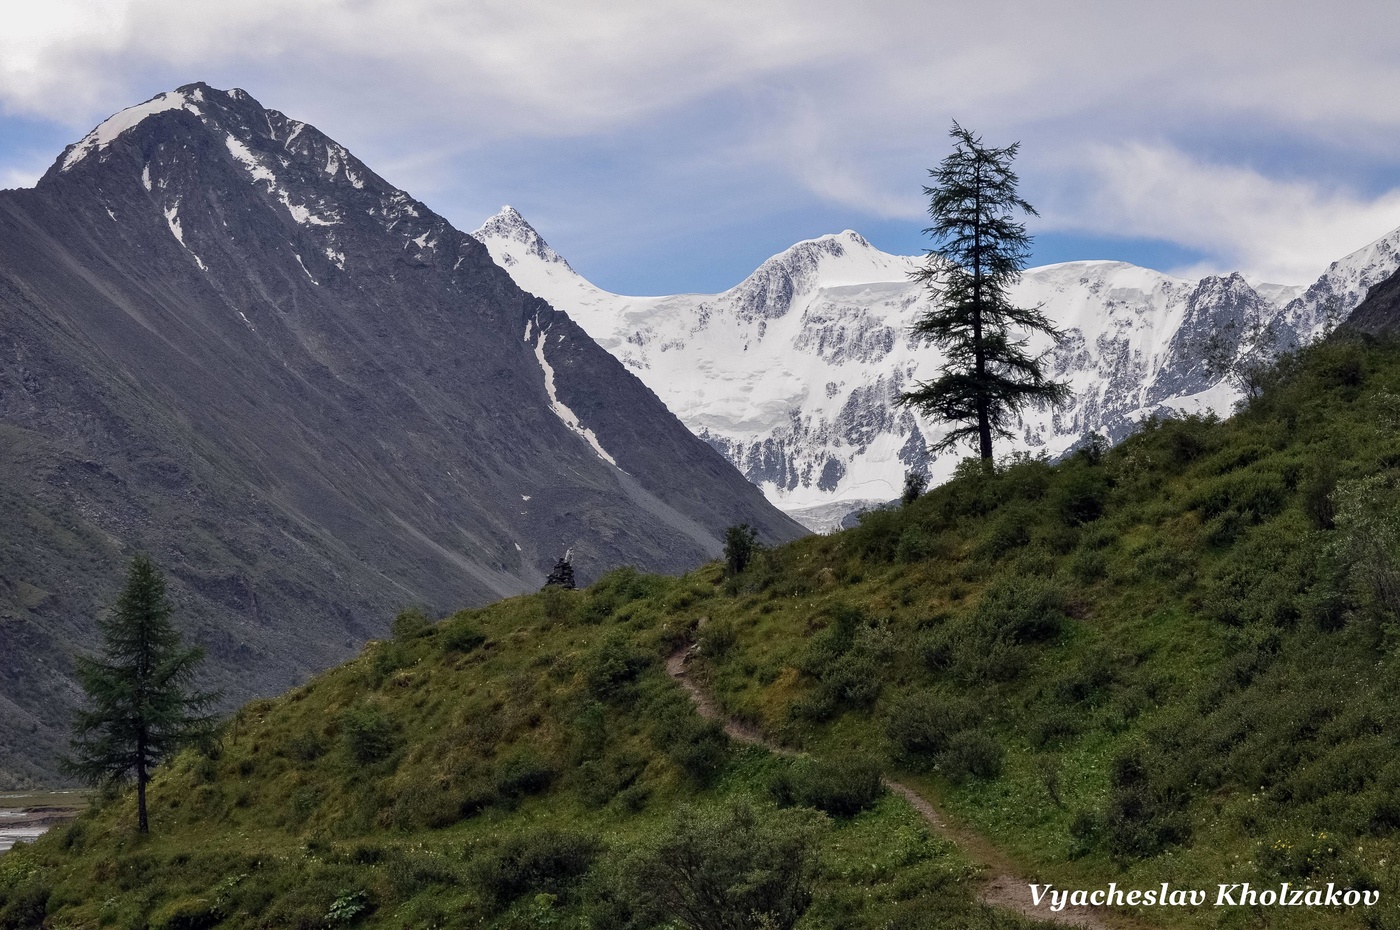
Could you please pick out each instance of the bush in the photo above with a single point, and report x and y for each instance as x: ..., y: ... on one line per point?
x: 1085, y: 831
x: 730, y: 868
x: 971, y: 754
x: 843, y: 786
x: 1027, y: 610
x: 522, y: 772
x: 367, y: 735
x: 614, y: 590
x: 613, y: 666
x: 1142, y: 817
x: 921, y: 725
x: 543, y: 861
x: 717, y: 638
x: 700, y: 748
x: 461, y: 636
x: 915, y: 484
x: 1082, y: 496
x: 915, y: 545
x: 411, y: 623
x: 23, y: 906
x: 187, y: 913
x: 1009, y: 531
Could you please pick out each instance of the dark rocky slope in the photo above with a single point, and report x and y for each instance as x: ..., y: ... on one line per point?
x: 225, y: 341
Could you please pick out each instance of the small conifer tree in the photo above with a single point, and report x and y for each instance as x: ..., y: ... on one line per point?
x: 915, y: 484
x: 740, y: 544
x: 141, y: 709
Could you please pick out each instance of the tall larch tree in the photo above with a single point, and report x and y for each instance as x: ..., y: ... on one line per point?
x: 980, y: 249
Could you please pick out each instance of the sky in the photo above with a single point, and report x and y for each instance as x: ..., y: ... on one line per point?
x: 667, y: 146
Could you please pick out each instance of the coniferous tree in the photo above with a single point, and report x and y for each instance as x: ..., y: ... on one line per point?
x: 980, y: 250
x: 915, y: 484
x: 141, y: 708
x: 740, y: 544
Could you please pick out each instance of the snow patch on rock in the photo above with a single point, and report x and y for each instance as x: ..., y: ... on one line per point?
x: 561, y: 410
x: 112, y: 127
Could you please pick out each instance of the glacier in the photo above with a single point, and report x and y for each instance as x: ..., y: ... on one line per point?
x: 794, y: 373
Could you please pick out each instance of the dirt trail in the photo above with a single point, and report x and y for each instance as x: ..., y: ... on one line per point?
x: 1004, y: 889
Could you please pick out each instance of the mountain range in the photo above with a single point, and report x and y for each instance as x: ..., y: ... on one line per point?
x: 794, y: 373
x: 227, y: 342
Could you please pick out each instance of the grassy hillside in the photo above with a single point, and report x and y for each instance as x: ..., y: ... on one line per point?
x: 1169, y: 661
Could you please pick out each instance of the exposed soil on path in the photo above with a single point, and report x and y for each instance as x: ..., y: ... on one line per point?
x: 1003, y: 889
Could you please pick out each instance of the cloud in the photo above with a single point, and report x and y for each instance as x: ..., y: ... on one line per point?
x: 845, y: 103
x: 1284, y: 231
x: 531, y: 65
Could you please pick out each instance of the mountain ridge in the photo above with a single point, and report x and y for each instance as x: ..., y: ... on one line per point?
x: 813, y: 419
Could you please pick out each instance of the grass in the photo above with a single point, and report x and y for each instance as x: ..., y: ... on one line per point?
x: 1169, y: 661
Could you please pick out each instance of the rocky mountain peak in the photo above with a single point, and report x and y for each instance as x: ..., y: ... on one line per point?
x: 832, y: 260
x: 208, y: 161
x: 512, y: 231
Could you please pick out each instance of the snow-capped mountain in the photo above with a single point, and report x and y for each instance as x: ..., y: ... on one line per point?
x: 793, y: 374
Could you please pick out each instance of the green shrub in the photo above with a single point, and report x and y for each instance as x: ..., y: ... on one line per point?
x: 186, y: 913
x: 971, y: 754
x: 619, y: 587
x: 411, y: 623
x: 922, y: 724
x: 701, y: 749
x: 559, y: 603
x: 23, y: 905
x: 524, y: 771
x: 740, y: 544
x: 1082, y: 496
x: 1023, y: 609
x: 717, y: 638
x: 460, y: 636
x: 604, y: 779
x: 915, y: 545
x: 1085, y: 832
x: 915, y: 484
x: 877, y: 534
x: 1143, y: 817
x: 732, y: 868
x: 842, y: 786
x: 367, y: 734
x: 1009, y: 531
x: 349, y: 905
x: 541, y: 861
x: 613, y: 666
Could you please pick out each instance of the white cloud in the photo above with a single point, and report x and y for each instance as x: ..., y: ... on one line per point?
x: 530, y: 65
x: 1285, y: 231
x: 849, y: 101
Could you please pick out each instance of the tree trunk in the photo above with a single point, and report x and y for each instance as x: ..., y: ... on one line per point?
x: 141, y: 778
x: 984, y: 423
x: 984, y: 430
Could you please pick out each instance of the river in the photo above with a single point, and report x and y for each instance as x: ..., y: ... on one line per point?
x: 27, y: 815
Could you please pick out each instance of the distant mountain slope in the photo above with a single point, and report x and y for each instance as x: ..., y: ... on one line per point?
x: 793, y: 373
x: 226, y: 341
x: 1379, y: 313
